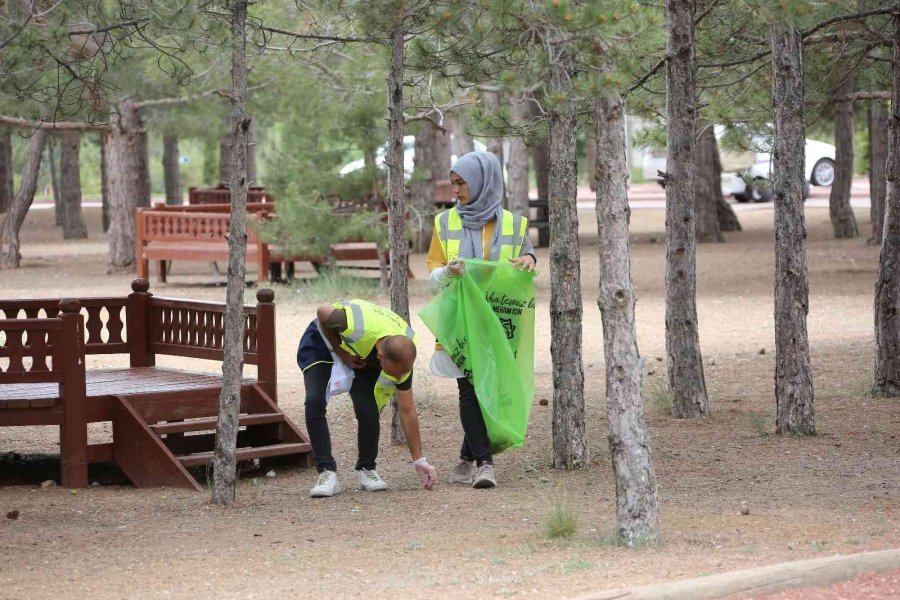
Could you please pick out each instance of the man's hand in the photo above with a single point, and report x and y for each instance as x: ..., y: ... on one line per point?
x: 354, y: 362
x: 523, y: 263
x: 455, y: 268
x: 427, y: 474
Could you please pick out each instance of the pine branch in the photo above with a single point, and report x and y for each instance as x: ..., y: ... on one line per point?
x: 313, y: 36
x: 54, y: 125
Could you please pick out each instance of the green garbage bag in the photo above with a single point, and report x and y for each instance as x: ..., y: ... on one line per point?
x: 485, y: 322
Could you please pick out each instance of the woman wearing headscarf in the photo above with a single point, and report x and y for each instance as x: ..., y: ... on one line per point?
x: 477, y: 227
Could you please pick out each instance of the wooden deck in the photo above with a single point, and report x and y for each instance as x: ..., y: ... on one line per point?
x: 108, y: 383
x: 44, y: 380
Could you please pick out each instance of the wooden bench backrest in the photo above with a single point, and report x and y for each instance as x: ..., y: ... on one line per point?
x: 222, y: 195
x: 182, y: 226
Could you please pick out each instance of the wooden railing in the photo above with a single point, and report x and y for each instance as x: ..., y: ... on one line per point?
x: 26, y: 346
x: 103, y: 326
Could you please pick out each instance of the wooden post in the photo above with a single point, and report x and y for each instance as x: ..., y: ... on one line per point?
x: 137, y: 321
x: 69, y: 352
x: 143, y: 265
x: 267, y: 358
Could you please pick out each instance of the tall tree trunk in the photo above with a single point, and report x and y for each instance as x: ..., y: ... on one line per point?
x: 6, y: 170
x: 794, y: 393
x: 15, y: 215
x: 125, y: 185
x: 541, y: 168
x: 225, y: 160
x: 171, y: 170
x: 143, y: 166
x: 590, y: 156
x: 104, y: 181
x: 842, y: 219
x: 54, y: 180
x: 707, y: 186
x: 399, y: 248
x: 637, y: 501
x: 491, y: 100
x: 225, y: 459
x: 728, y: 220
x: 685, y: 364
x: 432, y: 160
x: 463, y: 143
x: 70, y: 190
x: 570, y: 449
x: 251, y: 155
x: 878, y: 152
x: 517, y: 163
x: 887, y: 284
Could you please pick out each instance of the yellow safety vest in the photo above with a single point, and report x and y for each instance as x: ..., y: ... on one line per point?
x: 513, y: 229
x: 366, y: 324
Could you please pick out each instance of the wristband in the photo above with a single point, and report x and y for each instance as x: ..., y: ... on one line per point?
x: 420, y: 461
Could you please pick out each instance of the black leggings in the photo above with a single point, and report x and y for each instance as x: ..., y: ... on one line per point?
x: 362, y: 392
x: 475, y: 444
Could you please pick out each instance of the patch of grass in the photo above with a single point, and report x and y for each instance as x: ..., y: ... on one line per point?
x: 576, y: 565
x: 658, y: 395
x: 853, y: 541
x: 561, y: 522
x: 818, y: 546
x: 413, y: 546
x: 757, y: 424
x: 333, y: 284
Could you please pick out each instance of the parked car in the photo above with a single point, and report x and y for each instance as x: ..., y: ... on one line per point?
x: 409, y: 153
x: 739, y: 167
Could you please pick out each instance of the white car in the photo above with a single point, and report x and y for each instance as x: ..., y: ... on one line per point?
x: 755, y: 166
x: 409, y: 154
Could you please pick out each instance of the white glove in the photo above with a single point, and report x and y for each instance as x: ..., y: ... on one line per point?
x: 427, y: 474
x: 455, y: 268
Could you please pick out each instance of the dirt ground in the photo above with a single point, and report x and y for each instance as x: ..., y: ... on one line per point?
x: 837, y: 492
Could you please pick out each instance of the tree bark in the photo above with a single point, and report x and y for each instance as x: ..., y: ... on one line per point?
x: 843, y: 220
x: 637, y: 500
x: 541, y: 167
x: 491, y: 100
x: 685, y: 363
x: 570, y: 449
x: 125, y: 185
x: 517, y: 163
x: 104, y: 181
x: 463, y: 143
x: 590, y: 156
x: 432, y: 161
x: 6, y: 170
x: 70, y: 190
x: 225, y: 458
x: 143, y: 166
x: 794, y: 394
x: 15, y: 215
x: 399, y: 248
x: 728, y: 220
x: 171, y: 170
x: 54, y: 180
x: 887, y: 284
x: 707, y: 186
x: 878, y: 152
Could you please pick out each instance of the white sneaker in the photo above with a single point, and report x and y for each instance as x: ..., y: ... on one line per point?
x: 370, y: 481
x: 327, y: 485
x: 463, y: 472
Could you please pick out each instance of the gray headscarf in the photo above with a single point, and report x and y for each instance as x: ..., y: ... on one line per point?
x: 483, y: 174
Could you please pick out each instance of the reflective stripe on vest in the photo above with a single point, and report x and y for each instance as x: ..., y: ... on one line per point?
x: 513, y: 229
x: 366, y: 324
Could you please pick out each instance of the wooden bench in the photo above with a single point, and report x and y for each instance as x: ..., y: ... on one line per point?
x: 221, y: 194
x: 44, y: 380
x: 199, y: 233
